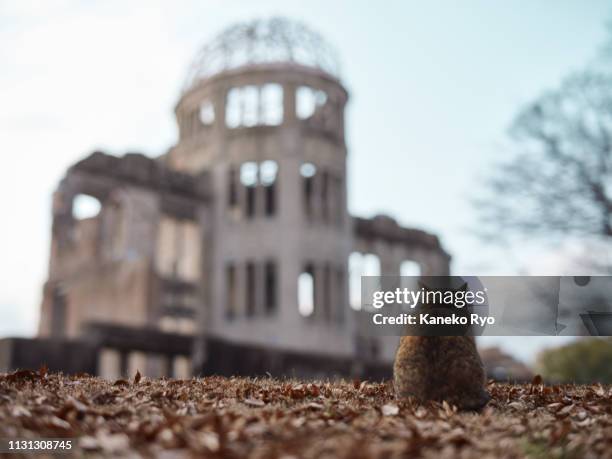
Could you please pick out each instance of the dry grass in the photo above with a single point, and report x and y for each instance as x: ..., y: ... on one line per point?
x: 268, y: 418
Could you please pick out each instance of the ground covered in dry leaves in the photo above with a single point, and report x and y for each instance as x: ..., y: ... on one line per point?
x: 268, y: 418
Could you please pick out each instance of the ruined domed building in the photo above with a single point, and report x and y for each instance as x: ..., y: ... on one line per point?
x: 229, y: 253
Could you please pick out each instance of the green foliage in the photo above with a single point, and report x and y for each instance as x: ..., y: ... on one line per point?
x: 584, y: 361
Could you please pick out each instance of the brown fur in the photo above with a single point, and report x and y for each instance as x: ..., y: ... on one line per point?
x: 440, y: 368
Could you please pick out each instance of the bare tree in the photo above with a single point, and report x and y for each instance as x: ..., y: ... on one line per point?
x: 559, y: 182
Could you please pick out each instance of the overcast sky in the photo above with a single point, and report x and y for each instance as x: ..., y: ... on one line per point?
x: 433, y: 85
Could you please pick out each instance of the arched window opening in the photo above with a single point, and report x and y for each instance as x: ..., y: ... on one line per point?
x: 268, y: 172
x: 248, y: 177
x: 248, y: 174
x: 271, y: 104
x: 254, y: 105
x: 307, y: 100
x: 355, y: 263
x: 410, y: 268
x: 308, y: 172
x: 306, y: 291
x: 371, y: 265
x: 207, y: 113
x: 360, y: 265
x: 410, y: 271
x: 260, y: 183
x: 250, y: 106
x: 233, y: 108
x: 85, y: 206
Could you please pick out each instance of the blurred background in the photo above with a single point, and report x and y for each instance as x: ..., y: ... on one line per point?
x: 488, y: 126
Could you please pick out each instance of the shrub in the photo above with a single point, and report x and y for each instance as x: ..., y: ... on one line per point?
x: 583, y: 361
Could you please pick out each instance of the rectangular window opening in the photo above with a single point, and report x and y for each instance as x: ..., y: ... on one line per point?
x: 270, y: 287
x: 231, y: 294
x: 232, y: 189
x: 340, y: 296
x: 250, y: 201
x: 250, y: 291
x: 308, y: 186
x: 325, y: 195
x: 327, y: 293
x: 270, y: 194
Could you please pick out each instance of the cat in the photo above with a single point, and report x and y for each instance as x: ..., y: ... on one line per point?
x: 440, y: 368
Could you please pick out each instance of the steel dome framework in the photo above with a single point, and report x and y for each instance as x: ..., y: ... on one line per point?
x: 275, y: 40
